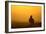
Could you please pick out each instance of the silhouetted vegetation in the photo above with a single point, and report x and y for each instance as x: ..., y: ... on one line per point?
x: 31, y: 24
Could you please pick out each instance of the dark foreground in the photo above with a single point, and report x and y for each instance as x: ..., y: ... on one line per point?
x: 24, y: 25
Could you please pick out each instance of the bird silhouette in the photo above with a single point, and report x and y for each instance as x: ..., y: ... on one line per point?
x: 31, y: 21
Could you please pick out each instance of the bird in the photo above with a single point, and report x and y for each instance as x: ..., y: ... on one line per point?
x: 31, y: 21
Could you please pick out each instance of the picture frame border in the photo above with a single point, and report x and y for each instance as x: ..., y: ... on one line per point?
x: 7, y: 12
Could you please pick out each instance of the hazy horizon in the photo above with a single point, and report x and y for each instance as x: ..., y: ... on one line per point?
x: 22, y: 13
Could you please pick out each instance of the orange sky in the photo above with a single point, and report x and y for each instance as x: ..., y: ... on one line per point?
x: 22, y: 13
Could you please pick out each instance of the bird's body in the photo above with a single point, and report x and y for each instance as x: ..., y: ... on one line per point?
x: 31, y: 21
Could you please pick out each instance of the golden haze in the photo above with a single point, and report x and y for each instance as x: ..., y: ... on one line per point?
x: 22, y: 13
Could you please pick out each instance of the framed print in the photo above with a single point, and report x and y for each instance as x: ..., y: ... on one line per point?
x: 24, y: 16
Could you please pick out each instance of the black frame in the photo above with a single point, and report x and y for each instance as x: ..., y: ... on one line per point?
x: 7, y: 12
